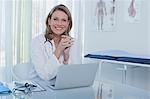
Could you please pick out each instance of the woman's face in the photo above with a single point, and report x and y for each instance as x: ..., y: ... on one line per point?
x: 59, y: 22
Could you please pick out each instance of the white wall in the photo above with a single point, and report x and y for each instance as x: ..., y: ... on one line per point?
x: 132, y: 37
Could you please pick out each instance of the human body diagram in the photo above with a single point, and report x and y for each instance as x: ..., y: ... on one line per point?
x: 105, y: 14
x: 132, y: 11
x: 112, y: 12
x: 100, y: 13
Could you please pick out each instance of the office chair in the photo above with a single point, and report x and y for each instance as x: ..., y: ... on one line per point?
x: 21, y: 71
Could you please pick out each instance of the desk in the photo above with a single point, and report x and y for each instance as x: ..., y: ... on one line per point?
x: 109, y: 91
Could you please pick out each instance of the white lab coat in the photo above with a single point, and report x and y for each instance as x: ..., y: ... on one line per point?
x: 44, y: 61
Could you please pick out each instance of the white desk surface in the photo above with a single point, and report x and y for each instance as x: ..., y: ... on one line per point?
x: 109, y: 91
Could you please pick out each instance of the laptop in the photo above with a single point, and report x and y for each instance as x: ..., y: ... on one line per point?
x: 75, y: 75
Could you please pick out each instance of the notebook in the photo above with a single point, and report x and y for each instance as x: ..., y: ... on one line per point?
x: 75, y: 75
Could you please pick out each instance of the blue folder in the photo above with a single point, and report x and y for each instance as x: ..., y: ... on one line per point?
x: 4, y: 89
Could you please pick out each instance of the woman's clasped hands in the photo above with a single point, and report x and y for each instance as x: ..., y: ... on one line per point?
x: 65, y: 42
x: 64, y: 46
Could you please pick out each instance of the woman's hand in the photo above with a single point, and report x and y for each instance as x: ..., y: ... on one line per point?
x: 63, y: 47
x: 67, y: 49
x: 65, y: 42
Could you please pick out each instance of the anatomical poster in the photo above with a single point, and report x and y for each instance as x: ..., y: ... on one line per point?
x: 132, y: 11
x: 101, y: 15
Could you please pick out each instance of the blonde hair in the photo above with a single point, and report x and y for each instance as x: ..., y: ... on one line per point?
x: 48, y: 32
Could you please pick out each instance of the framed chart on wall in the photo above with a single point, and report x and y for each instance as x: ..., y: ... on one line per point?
x: 132, y: 11
x: 100, y: 15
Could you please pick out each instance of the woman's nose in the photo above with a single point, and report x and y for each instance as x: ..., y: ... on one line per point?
x: 59, y: 22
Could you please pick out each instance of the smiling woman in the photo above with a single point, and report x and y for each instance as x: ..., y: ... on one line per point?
x: 55, y: 47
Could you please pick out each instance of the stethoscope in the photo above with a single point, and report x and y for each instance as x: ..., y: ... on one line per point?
x: 46, y: 44
x: 45, y: 47
x: 25, y: 88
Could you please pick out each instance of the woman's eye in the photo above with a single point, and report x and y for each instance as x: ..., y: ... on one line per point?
x: 64, y: 20
x: 55, y: 19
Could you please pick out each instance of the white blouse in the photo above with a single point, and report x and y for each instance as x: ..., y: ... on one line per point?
x: 45, y: 62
